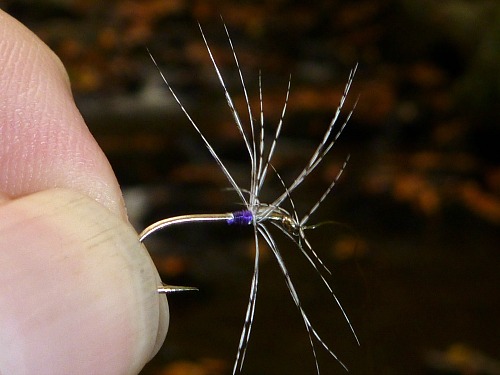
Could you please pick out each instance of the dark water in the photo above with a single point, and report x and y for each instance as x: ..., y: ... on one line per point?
x: 410, y: 284
x: 411, y: 293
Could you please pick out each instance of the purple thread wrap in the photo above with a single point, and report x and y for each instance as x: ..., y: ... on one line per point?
x: 244, y: 217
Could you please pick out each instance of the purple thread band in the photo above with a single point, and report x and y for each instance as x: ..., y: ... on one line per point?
x: 244, y: 217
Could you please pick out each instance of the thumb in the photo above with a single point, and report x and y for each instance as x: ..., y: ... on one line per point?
x: 77, y: 289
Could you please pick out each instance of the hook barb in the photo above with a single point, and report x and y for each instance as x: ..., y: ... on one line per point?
x: 167, y: 289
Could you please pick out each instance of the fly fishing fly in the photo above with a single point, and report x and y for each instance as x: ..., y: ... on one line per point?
x: 260, y: 215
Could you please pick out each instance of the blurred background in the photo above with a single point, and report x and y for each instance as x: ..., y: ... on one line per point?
x: 415, y: 247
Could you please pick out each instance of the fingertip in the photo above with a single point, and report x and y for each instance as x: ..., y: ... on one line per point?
x: 44, y: 142
x: 78, y: 294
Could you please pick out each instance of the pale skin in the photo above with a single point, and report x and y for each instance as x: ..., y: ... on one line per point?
x: 77, y: 289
